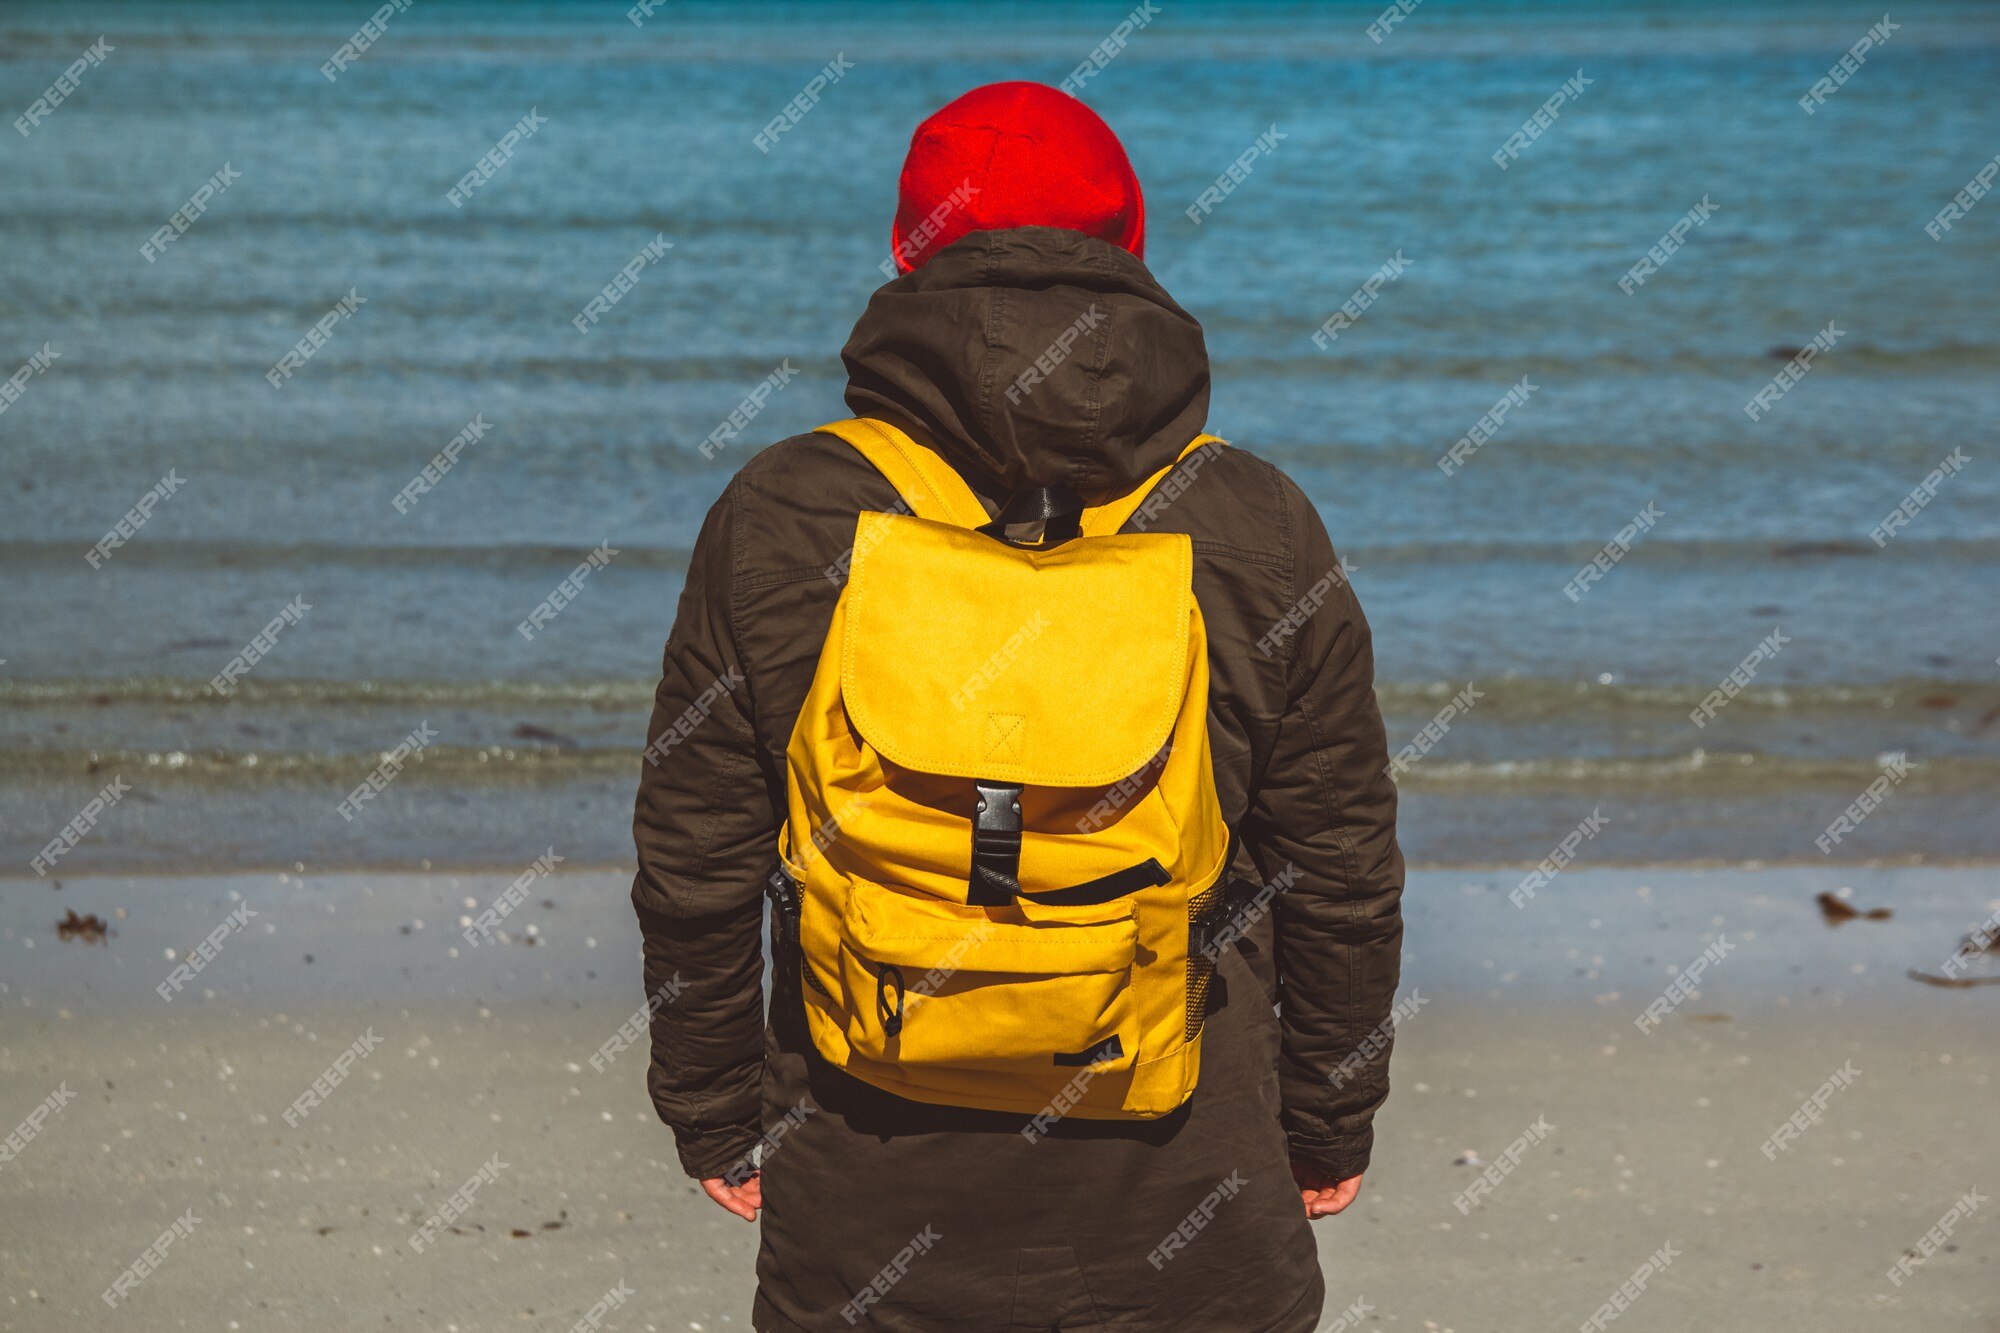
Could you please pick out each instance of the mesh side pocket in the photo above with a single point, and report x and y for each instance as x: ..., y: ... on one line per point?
x: 1201, y: 957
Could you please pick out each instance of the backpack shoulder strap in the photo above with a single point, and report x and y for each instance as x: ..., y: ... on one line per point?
x: 1107, y: 519
x: 934, y: 490
x: 925, y: 481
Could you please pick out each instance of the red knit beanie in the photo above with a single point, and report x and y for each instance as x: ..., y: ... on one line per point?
x: 1014, y: 155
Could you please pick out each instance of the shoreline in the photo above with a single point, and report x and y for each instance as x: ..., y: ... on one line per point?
x: 165, y: 827
x: 601, y: 866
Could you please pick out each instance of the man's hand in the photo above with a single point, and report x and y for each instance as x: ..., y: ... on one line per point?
x: 1323, y: 1196
x: 744, y: 1200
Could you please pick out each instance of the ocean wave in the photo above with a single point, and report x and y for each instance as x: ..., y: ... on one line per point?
x: 1717, y: 770
x: 169, y: 554
x: 330, y: 694
x: 1412, y: 357
x: 1520, y: 697
x: 1961, y: 552
x: 707, y: 34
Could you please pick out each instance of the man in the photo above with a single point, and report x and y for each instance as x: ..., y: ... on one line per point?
x: 1027, y: 345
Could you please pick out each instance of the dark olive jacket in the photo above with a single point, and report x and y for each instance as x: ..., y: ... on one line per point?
x: 885, y: 1214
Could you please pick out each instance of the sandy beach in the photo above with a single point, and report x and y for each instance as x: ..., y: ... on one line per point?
x: 1520, y: 1032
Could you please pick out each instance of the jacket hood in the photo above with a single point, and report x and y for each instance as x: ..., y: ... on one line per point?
x: 1033, y: 356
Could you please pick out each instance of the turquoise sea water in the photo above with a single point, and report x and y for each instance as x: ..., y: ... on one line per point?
x: 1386, y: 149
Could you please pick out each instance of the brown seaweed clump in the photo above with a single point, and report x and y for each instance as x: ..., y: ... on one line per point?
x: 90, y: 928
x: 1835, y: 911
x: 1972, y: 947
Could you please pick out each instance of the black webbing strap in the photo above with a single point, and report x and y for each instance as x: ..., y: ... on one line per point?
x: 1057, y: 508
x: 996, y: 845
x: 996, y: 862
x: 1148, y: 874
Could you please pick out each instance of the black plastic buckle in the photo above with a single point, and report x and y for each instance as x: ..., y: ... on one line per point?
x: 783, y: 891
x: 996, y: 845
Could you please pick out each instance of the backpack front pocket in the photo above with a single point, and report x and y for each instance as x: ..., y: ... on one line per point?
x: 937, y: 983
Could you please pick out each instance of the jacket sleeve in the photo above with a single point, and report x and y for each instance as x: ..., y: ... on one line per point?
x: 706, y: 831
x: 1322, y: 823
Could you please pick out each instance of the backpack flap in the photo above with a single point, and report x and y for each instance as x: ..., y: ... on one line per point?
x: 965, y: 657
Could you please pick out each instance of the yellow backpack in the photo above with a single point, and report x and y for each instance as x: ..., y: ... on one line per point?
x: 1004, y: 857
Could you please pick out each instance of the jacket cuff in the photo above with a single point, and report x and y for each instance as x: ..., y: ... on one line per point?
x: 1340, y: 1159
x: 711, y: 1152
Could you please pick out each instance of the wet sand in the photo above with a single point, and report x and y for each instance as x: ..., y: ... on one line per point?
x: 1526, y: 1017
